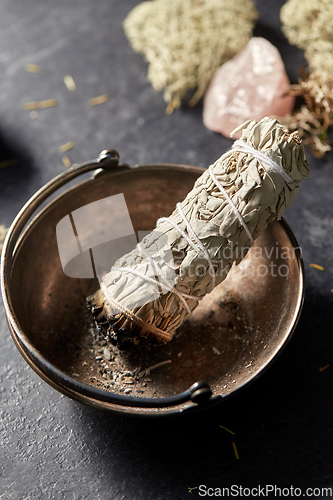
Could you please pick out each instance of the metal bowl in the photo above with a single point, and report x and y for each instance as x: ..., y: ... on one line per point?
x: 235, y: 333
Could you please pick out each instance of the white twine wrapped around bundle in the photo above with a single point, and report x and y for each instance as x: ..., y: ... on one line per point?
x: 151, y: 290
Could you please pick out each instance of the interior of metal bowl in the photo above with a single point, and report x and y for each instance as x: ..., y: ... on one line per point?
x: 233, y: 335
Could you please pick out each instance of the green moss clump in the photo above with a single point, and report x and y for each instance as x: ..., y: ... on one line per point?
x: 185, y: 41
x: 308, y: 24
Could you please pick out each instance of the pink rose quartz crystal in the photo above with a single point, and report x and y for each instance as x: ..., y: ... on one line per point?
x: 250, y: 86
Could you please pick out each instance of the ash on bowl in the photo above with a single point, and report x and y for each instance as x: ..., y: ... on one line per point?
x: 213, y: 345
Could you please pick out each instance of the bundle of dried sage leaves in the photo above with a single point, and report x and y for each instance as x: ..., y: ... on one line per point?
x: 151, y: 290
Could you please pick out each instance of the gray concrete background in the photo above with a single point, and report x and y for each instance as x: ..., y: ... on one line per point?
x: 54, y: 448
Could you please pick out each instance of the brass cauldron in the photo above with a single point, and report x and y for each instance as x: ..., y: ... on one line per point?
x: 48, y: 319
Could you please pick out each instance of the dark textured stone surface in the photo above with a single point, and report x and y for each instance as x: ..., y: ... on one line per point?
x: 54, y: 448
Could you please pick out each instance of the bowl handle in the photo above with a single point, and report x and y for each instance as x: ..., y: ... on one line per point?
x: 199, y: 393
x: 106, y: 161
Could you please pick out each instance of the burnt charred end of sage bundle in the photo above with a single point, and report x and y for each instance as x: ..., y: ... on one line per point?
x: 95, y: 304
x: 106, y: 325
x: 150, y: 291
x: 112, y: 327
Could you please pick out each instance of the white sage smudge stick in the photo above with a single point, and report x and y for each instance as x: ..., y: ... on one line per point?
x: 150, y: 291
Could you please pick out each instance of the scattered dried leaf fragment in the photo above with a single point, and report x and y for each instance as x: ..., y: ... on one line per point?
x: 235, y: 450
x: 47, y: 103
x: 226, y: 429
x: 66, y: 161
x: 317, y: 266
x: 66, y: 147
x: 147, y: 371
x: 101, y: 99
x: 32, y: 68
x: 3, y: 232
x: 8, y: 163
x: 69, y: 82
